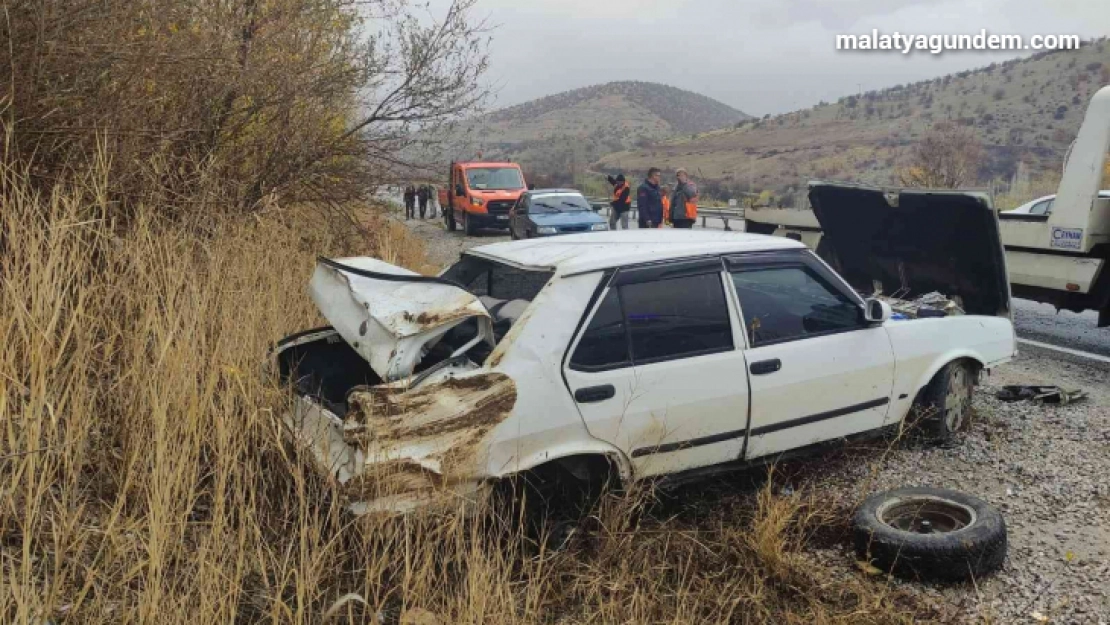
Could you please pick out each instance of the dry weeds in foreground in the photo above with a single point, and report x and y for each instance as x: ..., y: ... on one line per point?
x: 144, y: 478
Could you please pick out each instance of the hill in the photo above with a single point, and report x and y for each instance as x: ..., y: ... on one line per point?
x: 1025, y: 111
x: 558, y: 135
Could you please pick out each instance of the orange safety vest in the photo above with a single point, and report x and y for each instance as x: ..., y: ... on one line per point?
x: 691, y: 209
x: 618, y: 190
x: 666, y: 208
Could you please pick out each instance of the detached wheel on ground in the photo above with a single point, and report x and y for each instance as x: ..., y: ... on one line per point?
x: 944, y: 407
x: 930, y: 534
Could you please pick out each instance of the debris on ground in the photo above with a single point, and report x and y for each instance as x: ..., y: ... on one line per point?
x: 1042, y: 394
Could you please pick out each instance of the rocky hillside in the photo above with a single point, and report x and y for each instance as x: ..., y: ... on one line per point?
x: 559, y: 135
x: 1025, y: 111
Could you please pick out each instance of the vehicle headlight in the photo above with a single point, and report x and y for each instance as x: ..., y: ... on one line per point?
x: 546, y: 230
x: 477, y: 201
x: 599, y: 227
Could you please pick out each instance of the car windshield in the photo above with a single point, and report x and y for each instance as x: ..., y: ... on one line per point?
x: 494, y: 178
x: 559, y: 203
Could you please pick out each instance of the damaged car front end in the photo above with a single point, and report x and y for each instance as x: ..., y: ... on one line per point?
x: 391, y: 400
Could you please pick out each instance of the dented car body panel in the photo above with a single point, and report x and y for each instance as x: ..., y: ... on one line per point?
x: 440, y: 429
x: 390, y: 322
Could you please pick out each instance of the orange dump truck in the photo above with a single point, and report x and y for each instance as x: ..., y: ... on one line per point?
x: 480, y: 195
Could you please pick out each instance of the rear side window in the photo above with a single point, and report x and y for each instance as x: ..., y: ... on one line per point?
x: 604, y: 344
x: 654, y: 321
x: 786, y: 303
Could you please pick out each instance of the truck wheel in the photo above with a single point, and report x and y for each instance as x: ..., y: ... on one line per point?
x: 944, y: 406
x: 930, y: 534
x: 449, y: 219
x: 468, y: 228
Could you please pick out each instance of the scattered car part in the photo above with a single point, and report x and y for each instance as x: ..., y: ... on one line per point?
x: 1043, y: 394
x: 930, y: 534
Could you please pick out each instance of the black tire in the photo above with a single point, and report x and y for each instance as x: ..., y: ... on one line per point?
x: 965, y: 537
x: 468, y: 228
x: 449, y: 219
x: 944, y: 406
x: 512, y: 234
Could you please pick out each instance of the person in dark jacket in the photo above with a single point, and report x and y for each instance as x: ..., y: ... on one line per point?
x: 423, y: 194
x: 410, y: 201
x: 649, y: 200
x: 684, y: 202
x: 621, y: 203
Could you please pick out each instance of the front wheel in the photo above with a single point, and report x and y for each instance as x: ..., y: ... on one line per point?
x: 945, y: 404
x: 468, y: 226
x: 449, y: 219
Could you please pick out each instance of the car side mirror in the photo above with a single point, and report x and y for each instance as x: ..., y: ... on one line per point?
x: 459, y: 190
x: 876, y: 311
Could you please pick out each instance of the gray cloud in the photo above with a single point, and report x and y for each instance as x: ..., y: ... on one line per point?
x: 761, y: 56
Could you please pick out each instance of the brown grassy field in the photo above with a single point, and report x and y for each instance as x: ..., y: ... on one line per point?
x: 145, y: 478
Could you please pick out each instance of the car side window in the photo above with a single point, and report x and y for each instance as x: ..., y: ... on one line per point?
x: 1040, y: 208
x: 647, y: 322
x: 604, y: 344
x: 677, y: 317
x: 786, y: 303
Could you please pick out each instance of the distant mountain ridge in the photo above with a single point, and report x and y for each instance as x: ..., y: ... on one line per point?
x: 685, y: 111
x: 555, y: 137
x: 1025, y: 111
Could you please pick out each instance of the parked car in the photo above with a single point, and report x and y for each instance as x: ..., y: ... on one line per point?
x: 480, y: 194
x: 641, y: 354
x: 547, y: 212
x: 1043, y: 205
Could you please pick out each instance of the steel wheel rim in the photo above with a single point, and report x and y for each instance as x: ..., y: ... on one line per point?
x: 958, y: 400
x: 926, y: 515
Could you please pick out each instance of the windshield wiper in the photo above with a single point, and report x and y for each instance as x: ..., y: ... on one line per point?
x: 554, y: 208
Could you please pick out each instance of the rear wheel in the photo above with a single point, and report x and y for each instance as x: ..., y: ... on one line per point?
x: 945, y: 404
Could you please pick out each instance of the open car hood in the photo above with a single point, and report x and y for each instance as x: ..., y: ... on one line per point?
x: 392, y: 316
x: 915, y: 242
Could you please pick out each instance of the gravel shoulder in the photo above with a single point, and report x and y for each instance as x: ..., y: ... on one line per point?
x: 1045, y: 467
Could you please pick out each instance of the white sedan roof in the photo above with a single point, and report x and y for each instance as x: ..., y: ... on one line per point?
x: 576, y: 253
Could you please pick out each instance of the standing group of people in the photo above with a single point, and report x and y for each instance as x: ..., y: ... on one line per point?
x: 656, y: 203
x: 418, y: 194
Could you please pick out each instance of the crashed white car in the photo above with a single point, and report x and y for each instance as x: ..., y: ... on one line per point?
x: 642, y: 354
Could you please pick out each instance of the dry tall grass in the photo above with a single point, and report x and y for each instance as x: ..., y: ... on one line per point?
x: 144, y: 477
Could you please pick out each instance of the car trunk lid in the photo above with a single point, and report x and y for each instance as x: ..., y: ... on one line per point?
x: 915, y: 242
x: 392, y: 316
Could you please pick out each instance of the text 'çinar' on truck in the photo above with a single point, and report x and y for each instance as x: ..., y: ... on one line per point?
x: 1059, y: 257
x: 480, y: 195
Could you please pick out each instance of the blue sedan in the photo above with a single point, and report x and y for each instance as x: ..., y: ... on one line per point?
x: 547, y: 212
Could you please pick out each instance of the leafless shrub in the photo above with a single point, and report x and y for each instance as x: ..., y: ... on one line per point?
x: 214, y: 106
x: 946, y: 157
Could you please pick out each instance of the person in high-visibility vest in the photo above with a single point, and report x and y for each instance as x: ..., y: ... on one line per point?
x: 666, y: 199
x: 684, y: 202
x: 621, y: 203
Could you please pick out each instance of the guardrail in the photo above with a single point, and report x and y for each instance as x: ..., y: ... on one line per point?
x: 601, y: 205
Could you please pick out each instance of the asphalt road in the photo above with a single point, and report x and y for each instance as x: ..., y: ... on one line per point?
x: 1041, y: 322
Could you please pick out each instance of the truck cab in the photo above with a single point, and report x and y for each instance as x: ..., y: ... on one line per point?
x: 480, y: 195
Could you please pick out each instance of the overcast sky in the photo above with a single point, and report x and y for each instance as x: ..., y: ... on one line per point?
x: 760, y: 56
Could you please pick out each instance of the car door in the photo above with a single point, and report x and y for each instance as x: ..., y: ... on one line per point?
x: 818, y: 369
x: 657, y: 371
